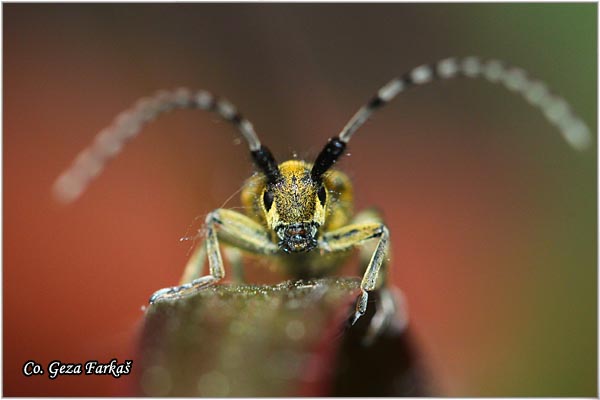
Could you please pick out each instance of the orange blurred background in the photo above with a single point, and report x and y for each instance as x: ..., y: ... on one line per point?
x: 493, y: 217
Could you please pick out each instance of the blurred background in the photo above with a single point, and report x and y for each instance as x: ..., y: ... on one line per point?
x: 492, y: 215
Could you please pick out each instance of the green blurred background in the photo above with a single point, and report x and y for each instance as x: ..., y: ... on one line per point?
x: 493, y: 217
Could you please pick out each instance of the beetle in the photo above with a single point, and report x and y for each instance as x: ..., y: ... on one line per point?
x: 300, y: 213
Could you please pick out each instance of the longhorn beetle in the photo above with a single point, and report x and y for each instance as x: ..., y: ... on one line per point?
x: 299, y: 213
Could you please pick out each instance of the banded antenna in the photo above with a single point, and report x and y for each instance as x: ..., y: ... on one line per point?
x: 555, y: 108
x: 109, y: 142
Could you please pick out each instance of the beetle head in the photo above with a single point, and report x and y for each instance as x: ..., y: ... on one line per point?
x: 295, y: 206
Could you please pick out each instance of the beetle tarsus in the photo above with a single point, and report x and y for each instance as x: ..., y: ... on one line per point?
x: 183, y: 290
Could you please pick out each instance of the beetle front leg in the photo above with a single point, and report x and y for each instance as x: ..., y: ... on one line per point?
x: 354, y: 235
x: 232, y: 228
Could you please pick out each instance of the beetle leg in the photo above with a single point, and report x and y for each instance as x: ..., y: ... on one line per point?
x: 234, y: 229
x: 195, y: 265
x: 354, y: 235
x: 371, y: 215
x: 387, y: 307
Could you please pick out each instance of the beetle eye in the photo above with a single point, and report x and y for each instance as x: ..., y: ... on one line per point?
x: 268, y: 199
x: 322, y: 195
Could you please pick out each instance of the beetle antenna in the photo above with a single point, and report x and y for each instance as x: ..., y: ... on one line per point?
x: 109, y: 142
x: 555, y: 108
